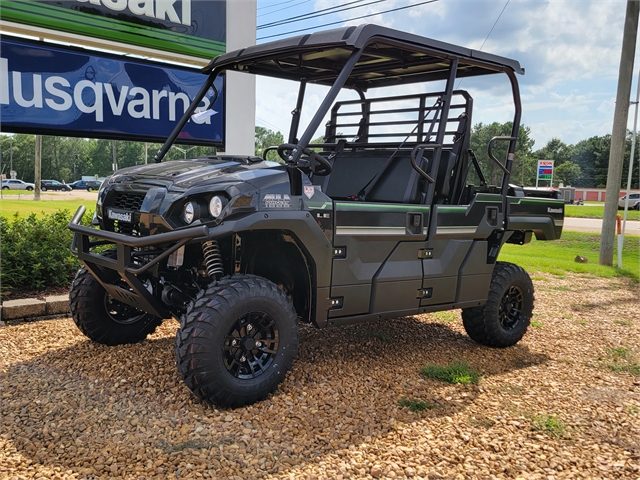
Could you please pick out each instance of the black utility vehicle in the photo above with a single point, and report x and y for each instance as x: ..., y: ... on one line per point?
x: 391, y: 215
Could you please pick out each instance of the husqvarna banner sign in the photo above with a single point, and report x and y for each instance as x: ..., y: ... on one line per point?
x: 71, y: 92
x: 195, y: 28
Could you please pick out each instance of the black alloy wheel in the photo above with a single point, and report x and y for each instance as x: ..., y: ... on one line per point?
x: 237, y: 341
x: 251, y: 345
x: 505, y: 318
x: 511, y: 307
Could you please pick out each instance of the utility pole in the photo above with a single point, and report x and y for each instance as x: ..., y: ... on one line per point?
x: 619, y: 132
x: 38, y: 163
x: 114, y: 149
x: 11, y: 156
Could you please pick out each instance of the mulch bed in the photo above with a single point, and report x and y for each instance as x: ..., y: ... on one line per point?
x: 562, y: 403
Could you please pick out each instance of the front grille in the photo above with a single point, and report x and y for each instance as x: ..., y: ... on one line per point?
x: 128, y: 200
x: 131, y: 229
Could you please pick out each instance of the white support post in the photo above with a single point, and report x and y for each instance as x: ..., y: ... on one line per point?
x: 240, y: 96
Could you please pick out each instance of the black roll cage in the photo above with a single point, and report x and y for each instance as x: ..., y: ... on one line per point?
x: 389, y: 57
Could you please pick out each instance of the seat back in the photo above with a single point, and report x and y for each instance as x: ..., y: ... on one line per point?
x: 398, y: 183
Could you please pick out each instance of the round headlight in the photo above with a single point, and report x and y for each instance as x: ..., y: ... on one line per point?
x: 188, y: 212
x: 215, y: 206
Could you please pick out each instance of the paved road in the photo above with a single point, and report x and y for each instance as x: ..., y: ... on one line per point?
x: 595, y: 225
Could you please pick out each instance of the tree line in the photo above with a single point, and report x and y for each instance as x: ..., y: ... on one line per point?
x: 584, y: 164
x: 67, y: 159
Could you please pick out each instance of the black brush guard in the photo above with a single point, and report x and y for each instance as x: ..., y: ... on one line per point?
x: 102, y: 267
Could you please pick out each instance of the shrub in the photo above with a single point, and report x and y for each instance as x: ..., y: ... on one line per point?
x: 35, y: 251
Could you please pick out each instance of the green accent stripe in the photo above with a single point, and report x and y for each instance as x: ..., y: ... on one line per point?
x: 356, y: 230
x: 28, y: 7
x: 536, y: 200
x: 80, y: 23
x: 456, y: 229
x: 452, y: 209
x: 365, y: 207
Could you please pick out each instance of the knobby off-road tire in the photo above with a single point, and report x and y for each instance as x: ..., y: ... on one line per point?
x: 237, y: 341
x: 504, y: 319
x: 103, y: 319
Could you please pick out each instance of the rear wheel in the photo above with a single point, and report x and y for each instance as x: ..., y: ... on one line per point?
x: 504, y: 319
x: 102, y: 318
x: 44, y: 189
x: 29, y: 189
x: 237, y: 341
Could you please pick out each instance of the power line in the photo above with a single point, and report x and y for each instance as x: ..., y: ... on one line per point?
x: 495, y: 23
x: 267, y: 124
x: 327, y: 11
x: 350, y: 19
x: 488, y: 34
x: 284, y: 8
x: 275, y: 4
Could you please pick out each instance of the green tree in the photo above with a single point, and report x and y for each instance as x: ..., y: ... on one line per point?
x: 23, y: 155
x: 556, y: 150
x: 266, y: 138
x: 592, y: 156
x: 567, y: 173
x: 481, y: 134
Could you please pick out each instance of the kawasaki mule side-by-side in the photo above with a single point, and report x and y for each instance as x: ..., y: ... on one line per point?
x: 390, y: 215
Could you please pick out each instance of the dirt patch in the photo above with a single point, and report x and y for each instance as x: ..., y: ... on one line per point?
x: 563, y: 403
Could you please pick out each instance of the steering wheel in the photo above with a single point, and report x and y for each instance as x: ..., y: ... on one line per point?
x: 316, y: 163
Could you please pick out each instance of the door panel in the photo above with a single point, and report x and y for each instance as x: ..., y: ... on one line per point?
x: 367, y: 236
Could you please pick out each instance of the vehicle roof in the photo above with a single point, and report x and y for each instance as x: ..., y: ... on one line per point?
x: 390, y: 57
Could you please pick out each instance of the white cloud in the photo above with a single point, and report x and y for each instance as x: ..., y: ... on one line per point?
x: 570, y: 49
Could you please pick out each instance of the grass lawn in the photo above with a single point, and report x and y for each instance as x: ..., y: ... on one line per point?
x: 558, y: 257
x: 24, y: 207
x: 595, y: 211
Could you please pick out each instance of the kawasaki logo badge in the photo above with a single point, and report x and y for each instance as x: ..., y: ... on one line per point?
x: 120, y: 216
x: 554, y: 210
x: 309, y: 192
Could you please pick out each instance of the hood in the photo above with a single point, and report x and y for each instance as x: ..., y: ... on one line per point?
x: 185, y: 174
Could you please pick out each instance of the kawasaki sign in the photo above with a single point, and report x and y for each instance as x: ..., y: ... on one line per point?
x: 195, y: 28
x: 74, y: 92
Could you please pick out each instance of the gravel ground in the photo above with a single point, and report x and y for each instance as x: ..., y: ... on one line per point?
x: 563, y: 403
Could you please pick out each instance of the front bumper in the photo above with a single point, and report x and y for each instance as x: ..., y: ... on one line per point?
x: 124, y: 264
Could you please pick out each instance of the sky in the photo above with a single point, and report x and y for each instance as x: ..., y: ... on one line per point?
x: 570, y: 50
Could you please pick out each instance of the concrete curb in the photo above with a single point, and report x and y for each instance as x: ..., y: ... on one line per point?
x: 18, y: 311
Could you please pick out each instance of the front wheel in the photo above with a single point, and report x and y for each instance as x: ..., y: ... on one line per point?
x: 504, y: 319
x: 102, y: 318
x: 237, y: 341
x: 5, y: 188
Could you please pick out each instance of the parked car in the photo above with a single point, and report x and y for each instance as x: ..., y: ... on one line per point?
x: 78, y: 184
x: 634, y: 201
x: 93, y: 185
x: 17, y: 185
x: 54, y: 185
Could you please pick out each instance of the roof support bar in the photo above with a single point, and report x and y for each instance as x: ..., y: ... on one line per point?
x: 444, y: 116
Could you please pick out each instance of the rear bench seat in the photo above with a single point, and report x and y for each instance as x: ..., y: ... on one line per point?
x: 399, y: 183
